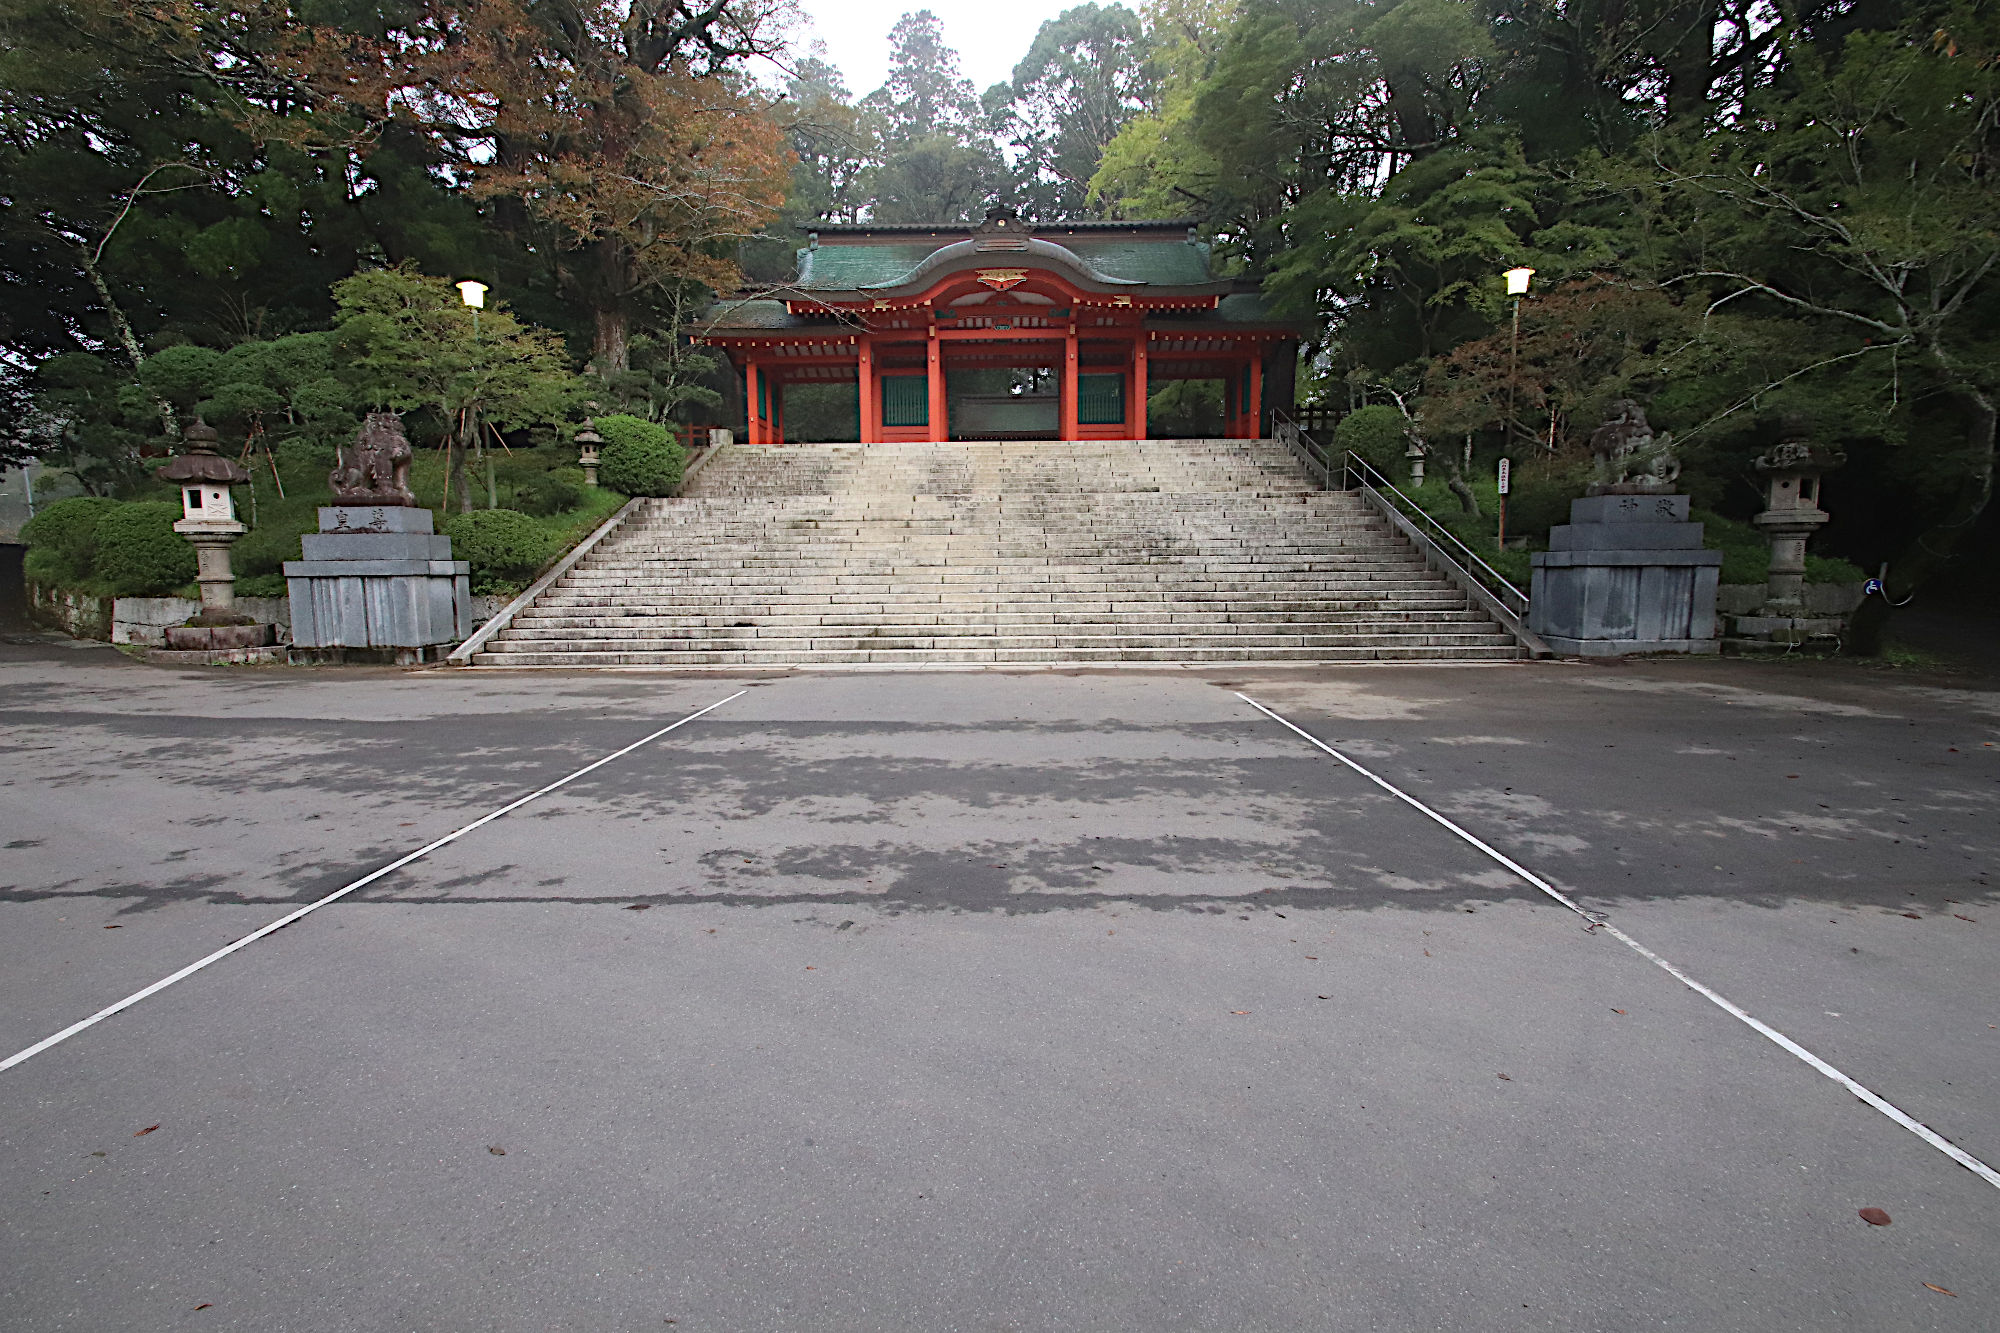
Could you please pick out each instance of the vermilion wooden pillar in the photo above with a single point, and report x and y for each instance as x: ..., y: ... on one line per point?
x: 1135, y: 403
x: 1255, y: 407
x: 753, y: 423
x: 940, y: 429
x: 1068, y: 429
x: 871, y: 394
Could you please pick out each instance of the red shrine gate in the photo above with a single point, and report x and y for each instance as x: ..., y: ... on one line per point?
x: 1110, y: 309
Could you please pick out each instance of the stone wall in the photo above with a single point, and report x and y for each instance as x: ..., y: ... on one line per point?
x: 143, y: 621
x: 1822, y: 599
x: 76, y: 614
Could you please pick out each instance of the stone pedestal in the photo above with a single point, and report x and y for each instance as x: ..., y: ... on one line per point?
x: 1626, y: 574
x: 378, y: 580
x: 212, y: 569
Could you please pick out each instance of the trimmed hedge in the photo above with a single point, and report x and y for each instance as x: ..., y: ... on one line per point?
x: 505, y: 547
x: 62, y: 539
x: 547, y: 495
x: 1376, y: 433
x: 138, y: 552
x: 640, y: 457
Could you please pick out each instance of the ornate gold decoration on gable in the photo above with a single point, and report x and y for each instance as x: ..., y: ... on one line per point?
x: 1000, y: 279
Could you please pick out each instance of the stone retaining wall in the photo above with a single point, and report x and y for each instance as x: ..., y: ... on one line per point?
x: 143, y: 621
x: 1822, y: 599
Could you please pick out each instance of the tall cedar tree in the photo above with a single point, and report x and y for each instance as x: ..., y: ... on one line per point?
x: 625, y: 130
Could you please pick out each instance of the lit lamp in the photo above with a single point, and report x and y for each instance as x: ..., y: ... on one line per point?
x: 473, y: 293
x: 1517, y: 287
x: 588, y: 443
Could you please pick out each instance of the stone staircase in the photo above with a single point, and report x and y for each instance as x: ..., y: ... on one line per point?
x: 999, y: 553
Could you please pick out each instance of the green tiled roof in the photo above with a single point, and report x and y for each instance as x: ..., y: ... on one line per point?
x: 1245, y: 308
x: 754, y: 315
x: 843, y: 268
x: 833, y: 267
x: 1156, y: 263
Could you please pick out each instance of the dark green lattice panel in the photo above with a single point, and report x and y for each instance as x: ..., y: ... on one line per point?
x: 906, y: 400
x: 1100, y: 400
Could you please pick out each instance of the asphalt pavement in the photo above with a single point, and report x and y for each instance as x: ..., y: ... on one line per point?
x: 997, y: 1001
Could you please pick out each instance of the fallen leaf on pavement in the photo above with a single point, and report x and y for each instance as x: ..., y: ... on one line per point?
x: 1427, y: 953
x: 1875, y: 1217
x: 497, y: 1150
x: 1326, y: 997
x: 1913, y: 916
x: 1508, y: 1079
x: 638, y: 907
x: 121, y: 927
x: 210, y: 1305
x: 1944, y: 1291
x: 1617, y: 1011
x: 144, y: 1132
x: 1960, y: 915
x: 1239, y: 1011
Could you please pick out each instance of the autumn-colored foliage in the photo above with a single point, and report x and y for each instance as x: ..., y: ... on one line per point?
x: 616, y: 129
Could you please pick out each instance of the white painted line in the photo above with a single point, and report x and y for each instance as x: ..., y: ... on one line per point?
x: 339, y: 893
x: 1599, y: 922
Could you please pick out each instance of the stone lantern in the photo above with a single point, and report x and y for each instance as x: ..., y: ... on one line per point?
x: 1415, y: 454
x: 1787, y: 617
x: 1792, y: 469
x: 208, y: 518
x: 588, y: 445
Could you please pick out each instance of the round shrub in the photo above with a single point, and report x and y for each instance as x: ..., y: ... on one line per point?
x: 62, y: 538
x: 547, y: 494
x: 640, y: 457
x: 505, y: 548
x: 1375, y: 432
x: 138, y: 552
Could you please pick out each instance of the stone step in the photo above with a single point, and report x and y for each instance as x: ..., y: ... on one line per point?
x: 749, y: 641
x: 1017, y: 553
x: 992, y: 657
x: 719, y: 627
x: 539, y: 624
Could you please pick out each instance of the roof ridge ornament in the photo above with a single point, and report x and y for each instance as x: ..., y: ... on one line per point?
x: 1002, y: 230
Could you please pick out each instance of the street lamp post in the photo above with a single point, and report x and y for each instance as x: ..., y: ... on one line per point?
x: 473, y: 293
x: 1517, y: 287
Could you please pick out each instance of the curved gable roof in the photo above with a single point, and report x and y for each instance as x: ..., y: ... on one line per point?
x: 970, y: 254
x: 858, y: 262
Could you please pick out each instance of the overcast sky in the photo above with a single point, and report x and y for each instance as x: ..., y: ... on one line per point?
x: 990, y: 35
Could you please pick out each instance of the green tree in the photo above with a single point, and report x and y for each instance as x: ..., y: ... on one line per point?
x: 417, y: 346
x: 936, y: 162
x: 832, y: 140
x: 1085, y: 76
x: 1861, y: 201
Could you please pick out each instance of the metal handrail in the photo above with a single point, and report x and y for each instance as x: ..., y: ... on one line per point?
x: 1516, y: 600
x: 1317, y: 457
